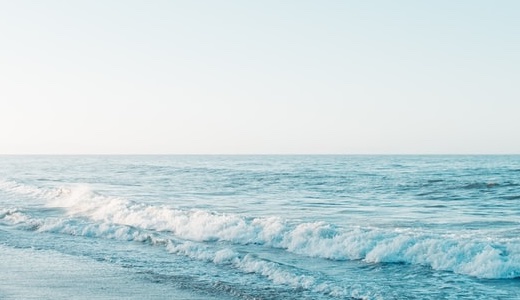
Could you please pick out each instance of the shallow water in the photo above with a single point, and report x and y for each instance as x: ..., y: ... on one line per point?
x: 264, y: 227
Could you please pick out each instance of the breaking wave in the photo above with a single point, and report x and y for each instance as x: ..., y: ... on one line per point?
x: 119, y: 218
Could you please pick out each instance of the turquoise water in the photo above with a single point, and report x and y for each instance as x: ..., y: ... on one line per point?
x: 265, y: 227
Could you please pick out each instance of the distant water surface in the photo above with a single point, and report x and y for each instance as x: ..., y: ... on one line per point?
x: 263, y: 227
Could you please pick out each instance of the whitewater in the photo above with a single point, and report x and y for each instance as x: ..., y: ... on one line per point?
x: 260, y: 227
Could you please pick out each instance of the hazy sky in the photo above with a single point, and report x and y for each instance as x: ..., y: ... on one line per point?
x: 339, y: 77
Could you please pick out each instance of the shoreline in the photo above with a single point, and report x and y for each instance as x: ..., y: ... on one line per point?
x: 44, y: 274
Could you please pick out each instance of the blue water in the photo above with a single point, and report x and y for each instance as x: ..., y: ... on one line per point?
x: 262, y: 227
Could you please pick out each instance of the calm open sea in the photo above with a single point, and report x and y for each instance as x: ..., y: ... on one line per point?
x: 260, y: 227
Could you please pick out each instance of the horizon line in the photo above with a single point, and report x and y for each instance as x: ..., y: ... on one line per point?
x: 256, y: 154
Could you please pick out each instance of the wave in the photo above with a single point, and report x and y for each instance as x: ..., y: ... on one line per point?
x: 250, y: 263
x: 119, y: 218
x: 31, y: 191
x: 245, y: 262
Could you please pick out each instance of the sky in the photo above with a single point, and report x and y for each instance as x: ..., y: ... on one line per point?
x: 259, y: 77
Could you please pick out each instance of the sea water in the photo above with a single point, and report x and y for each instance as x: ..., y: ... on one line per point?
x: 260, y: 227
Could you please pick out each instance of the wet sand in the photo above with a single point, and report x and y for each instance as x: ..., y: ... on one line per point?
x: 41, y: 274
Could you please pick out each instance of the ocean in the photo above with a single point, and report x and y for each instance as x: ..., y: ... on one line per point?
x: 260, y: 227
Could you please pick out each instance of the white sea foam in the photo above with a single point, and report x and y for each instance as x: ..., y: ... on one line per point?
x: 12, y: 216
x: 470, y: 255
x: 250, y: 263
x: 31, y: 191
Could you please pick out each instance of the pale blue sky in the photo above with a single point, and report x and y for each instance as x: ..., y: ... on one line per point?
x: 343, y: 77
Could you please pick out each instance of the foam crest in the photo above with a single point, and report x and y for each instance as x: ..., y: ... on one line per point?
x: 465, y: 255
x: 107, y: 231
x: 470, y: 255
x: 16, y: 217
x: 196, y: 225
x: 77, y: 227
x: 247, y: 263
x: 13, y: 187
